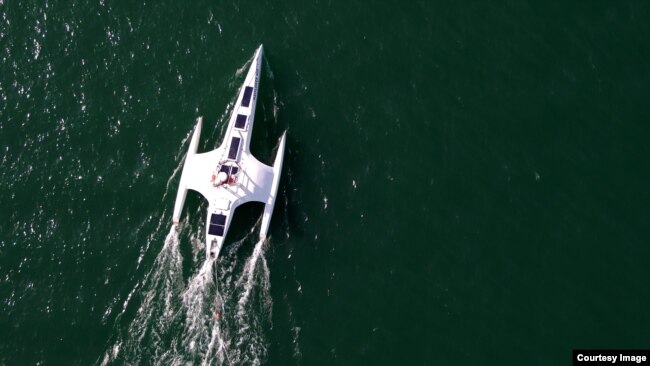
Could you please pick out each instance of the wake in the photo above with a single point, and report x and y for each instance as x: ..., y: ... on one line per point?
x: 157, y: 310
x: 219, y: 317
x: 238, y: 337
x: 223, y: 322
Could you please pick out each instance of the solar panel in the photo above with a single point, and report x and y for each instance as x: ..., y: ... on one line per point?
x: 234, y: 148
x: 217, y: 219
x: 240, y: 122
x: 216, y: 230
x: 234, y: 170
x: 225, y: 169
x: 246, y: 100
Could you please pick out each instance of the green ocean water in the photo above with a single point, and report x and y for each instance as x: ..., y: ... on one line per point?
x: 464, y: 183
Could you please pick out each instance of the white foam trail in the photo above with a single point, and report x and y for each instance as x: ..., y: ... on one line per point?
x: 151, y: 238
x: 194, y: 302
x: 248, y: 276
x: 151, y: 320
x: 238, y: 337
x: 162, y: 283
x: 268, y: 69
x: 244, y: 67
x: 222, y: 122
x: 169, y: 181
x: 221, y: 354
x: 251, y: 344
x: 217, y: 336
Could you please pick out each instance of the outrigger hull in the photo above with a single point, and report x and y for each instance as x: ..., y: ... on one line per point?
x: 230, y: 175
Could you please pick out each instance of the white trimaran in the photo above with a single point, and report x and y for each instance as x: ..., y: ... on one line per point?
x: 230, y: 175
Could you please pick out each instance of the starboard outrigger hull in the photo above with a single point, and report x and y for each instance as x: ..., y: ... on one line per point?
x: 230, y: 175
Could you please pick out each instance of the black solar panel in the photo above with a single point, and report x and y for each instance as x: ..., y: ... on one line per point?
x: 216, y: 230
x: 217, y: 219
x: 234, y: 148
x: 246, y: 100
x: 225, y: 169
x: 240, y: 122
x: 234, y: 170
